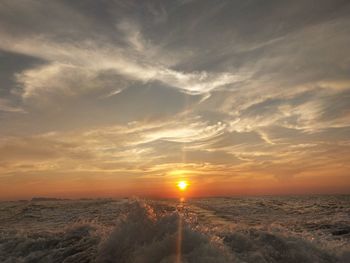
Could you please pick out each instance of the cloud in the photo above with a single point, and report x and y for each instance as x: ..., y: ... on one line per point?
x: 95, y: 57
x: 66, y: 80
x: 6, y: 106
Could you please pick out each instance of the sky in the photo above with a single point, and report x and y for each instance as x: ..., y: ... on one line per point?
x: 121, y: 98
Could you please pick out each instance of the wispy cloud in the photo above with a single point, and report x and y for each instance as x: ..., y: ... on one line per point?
x: 5, y: 105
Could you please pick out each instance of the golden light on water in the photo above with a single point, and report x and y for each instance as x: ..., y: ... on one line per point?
x: 182, y: 185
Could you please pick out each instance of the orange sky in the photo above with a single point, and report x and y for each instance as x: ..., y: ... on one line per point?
x: 168, y: 188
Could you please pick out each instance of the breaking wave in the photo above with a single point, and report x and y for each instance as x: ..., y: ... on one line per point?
x: 144, y: 237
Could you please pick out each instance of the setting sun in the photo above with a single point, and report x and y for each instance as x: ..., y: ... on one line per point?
x: 182, y: 185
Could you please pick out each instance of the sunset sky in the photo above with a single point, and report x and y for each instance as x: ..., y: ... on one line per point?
x: 122, y: 98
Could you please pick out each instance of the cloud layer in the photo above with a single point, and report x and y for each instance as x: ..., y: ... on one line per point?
x: 227, y: 93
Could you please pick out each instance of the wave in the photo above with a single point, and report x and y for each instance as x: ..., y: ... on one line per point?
x: 145, y: 237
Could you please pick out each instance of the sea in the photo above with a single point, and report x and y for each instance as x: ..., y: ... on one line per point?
x: 255, y: 229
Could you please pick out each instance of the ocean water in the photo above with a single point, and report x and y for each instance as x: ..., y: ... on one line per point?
x: 249, y: 229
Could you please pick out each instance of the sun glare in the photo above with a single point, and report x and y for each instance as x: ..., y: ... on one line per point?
x: 182, y: 185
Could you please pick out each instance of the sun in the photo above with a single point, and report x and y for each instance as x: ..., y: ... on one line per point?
x: 182, y: 185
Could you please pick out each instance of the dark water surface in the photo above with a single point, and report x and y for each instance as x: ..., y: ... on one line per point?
x: 250, y: 229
